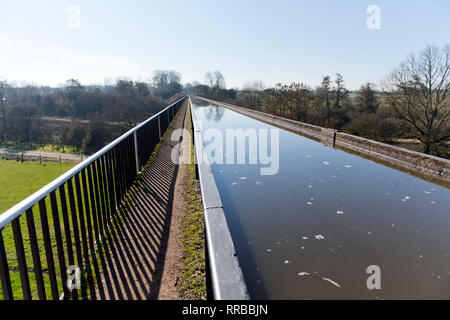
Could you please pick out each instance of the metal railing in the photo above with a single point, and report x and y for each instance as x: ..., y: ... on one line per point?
x: 81, y: 203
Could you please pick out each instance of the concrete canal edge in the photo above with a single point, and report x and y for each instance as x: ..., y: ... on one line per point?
x: 424, y: 166
x: 225, y: 272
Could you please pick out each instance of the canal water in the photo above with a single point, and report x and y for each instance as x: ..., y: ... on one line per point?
x: 312, y: 230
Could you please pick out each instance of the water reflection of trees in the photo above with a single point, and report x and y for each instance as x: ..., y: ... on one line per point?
x: 200, y: 102
x: 214, y: 113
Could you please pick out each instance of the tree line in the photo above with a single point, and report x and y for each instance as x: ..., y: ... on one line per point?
x: 32, y: 114
x: 411, y: 103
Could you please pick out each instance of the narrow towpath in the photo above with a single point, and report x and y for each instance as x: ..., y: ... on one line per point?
x: 140, y: 261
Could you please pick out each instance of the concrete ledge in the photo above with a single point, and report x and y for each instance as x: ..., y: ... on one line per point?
x: 427, y: 164
x: 226, y: 274
x: 434, y: 169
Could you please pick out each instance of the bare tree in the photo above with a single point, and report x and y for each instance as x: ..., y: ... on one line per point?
x: 25, y: 119
x: 215, y: 79
x: 255, y: 85
x: 167, y: 83
x: 340, y: 92
x: 366, y: 99
x: 220, y: 80
x: 2, y: 103
x: 299, y: 96
x: 209, y: 79
x: 252, y: 93
x: 340, y: 96
x: 418, y: 92
x: 324, y: 94
x: 163, y: 78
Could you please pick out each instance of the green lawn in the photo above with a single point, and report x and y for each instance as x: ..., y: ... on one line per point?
x: 18, y: 181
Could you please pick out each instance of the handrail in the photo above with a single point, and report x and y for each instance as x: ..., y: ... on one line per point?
x: 18, y: 209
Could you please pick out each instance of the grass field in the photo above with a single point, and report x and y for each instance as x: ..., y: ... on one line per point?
x: 18, y: 181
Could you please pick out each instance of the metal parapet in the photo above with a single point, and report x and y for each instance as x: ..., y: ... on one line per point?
x: 226, y: 274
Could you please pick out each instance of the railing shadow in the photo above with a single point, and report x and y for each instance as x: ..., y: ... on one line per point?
x: 132, y: 253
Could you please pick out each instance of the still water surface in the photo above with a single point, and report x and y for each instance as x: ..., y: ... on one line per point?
x: 312, y: 230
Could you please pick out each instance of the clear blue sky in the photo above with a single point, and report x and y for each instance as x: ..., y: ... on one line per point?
x: 272, y: 41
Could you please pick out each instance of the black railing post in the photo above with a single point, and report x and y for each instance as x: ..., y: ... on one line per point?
x: 87, y: 210
x: 73, y: 213
x: 104, y: 183
x: 4, y: 272
x: 159, y: 127
x: 84, y: 236
x: 48, y: 249
x: 97, y: 198
x: 94, y: 205
x: 112, y: 198
x: 136, y: 151
x: 67, y: 232
x: 21, y: 260
x: 59, y: 243
x: 37, y: 267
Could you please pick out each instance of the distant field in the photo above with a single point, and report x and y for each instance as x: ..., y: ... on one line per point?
x: 40, y: 147
x: 19, y: 180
